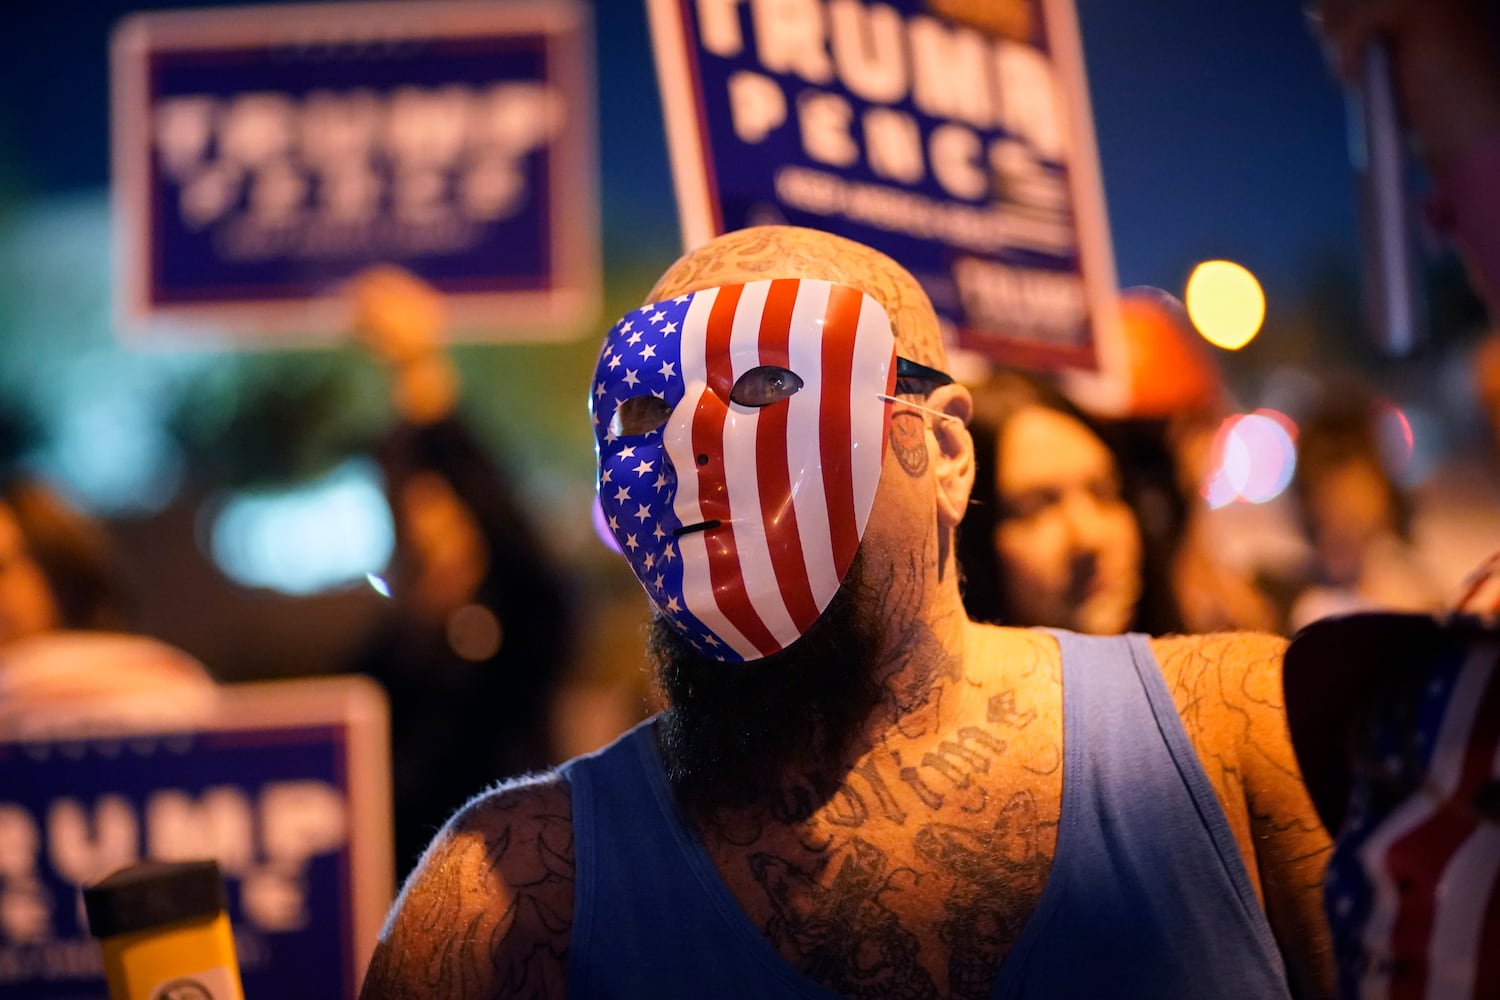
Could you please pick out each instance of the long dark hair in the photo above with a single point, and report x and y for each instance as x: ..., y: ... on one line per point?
x: 73, y: 552
x: 1005, y: 394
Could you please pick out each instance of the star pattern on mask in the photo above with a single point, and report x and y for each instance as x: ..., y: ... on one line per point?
x: 643, y: 356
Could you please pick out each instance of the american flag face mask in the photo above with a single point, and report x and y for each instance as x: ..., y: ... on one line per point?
x: 740, y: 434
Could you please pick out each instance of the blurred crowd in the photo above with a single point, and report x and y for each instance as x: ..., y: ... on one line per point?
x: 1091, y: 522
x: 1095, y: 523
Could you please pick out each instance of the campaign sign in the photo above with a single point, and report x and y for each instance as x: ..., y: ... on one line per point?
x: 954, y: 135
x: 262, y: 155
x: 288, y: 789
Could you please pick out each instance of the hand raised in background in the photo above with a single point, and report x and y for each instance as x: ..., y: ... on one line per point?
x: 402, y: 321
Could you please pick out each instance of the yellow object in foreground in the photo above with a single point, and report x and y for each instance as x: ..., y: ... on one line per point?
x: 164, y: 932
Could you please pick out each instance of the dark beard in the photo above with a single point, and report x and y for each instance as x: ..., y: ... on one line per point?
x: 737, y: 734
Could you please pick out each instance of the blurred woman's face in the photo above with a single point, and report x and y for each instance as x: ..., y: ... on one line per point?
x: 26, y: 603
x: 1349, y: 506
x: 1067, y: 544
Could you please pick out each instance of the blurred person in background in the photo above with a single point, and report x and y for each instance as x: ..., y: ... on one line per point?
x: 1356, y: 517
x: 58, y: 568
x: 1165, y: 438
x: 1457, y: 506
x: 478, y: 633
x: 65, y: 661
x: 1395, y: 717
x: 1051, y: 537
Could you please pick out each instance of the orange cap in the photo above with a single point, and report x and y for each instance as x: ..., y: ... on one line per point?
x: 1171, y: 368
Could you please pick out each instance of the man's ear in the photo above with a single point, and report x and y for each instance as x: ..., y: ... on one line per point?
x: 953, y: 465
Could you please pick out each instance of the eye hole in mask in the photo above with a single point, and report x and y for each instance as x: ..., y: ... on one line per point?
x: 639, y: 415
x: 764, y: 385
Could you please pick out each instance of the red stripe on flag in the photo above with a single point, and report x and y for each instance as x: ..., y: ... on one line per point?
x: 1417, y: 859
x: 724, y: 571
x: 840, y: 322
x: 772, y: 462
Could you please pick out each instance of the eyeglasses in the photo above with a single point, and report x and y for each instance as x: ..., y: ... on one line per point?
x: 907, y: 368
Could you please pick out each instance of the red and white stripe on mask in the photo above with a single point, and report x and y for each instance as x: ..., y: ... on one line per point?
x: 741, y: 435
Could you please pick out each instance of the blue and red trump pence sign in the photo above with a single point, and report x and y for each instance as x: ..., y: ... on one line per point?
x: 264, y: 155
x: 954, y: 135
x: 287, y: 787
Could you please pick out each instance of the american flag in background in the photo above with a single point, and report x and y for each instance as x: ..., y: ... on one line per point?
x: 1411, y: 888
x: 790, y: 484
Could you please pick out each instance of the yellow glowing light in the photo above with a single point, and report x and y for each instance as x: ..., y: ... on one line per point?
x: 1225, y: 303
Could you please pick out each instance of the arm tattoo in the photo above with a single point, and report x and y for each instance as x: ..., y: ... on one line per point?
x: 489, y: 912
x: 1228, y: 690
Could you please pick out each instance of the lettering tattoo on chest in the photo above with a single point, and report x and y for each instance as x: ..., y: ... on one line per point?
x: 958, y: 761
x: 869, y: 910
x: 869, y: 775
x: 953, y: 764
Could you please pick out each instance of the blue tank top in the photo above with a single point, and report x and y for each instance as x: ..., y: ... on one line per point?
x: 1147, y: 897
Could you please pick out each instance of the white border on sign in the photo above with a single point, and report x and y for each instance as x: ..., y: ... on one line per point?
x: 682, y: 109
x: 1104, y: 389
x: 576, y: 264
x: 358, y: 705
x: 354, y: 704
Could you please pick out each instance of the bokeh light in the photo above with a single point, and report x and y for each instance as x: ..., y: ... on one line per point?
x: 1254, y: 457
x: 1225, y: 303
x: 324, y: 535
x: 1393, y: 435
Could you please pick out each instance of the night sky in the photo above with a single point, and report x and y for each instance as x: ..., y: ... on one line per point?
x: 1220, y: 133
